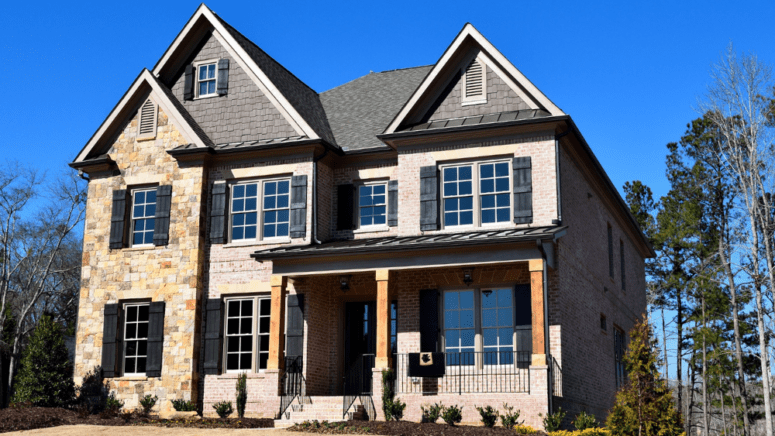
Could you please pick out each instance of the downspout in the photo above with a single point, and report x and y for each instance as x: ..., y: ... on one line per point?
x: 315, y: 197
x: 557, y: 138
x: 547, y: 348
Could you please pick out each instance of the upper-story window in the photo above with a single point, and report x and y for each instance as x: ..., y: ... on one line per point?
x: 372, y: 205
x: 206, y: 79
x: 269, y: 218
x: 143, y: 216
x: 476, y: 194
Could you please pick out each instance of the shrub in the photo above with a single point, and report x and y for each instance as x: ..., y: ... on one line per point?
x: 553, y: 421
x: 93, y: 391
x: 489, y: 416
x: 242, y: 394
x: 147, y: 402
x: 45, y: 378
x: 525, y: 429
x: 584, y: 421
x: 431, y: 413
x: 223, y: 408
x: 183, y: 405
x: 510, y: 417
x: 112, y: 407
x: 452, y: 415
x: 391, y: 406
x: 645, y: 404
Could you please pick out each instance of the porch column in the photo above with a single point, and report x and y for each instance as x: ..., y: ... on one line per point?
x: 536, y: 267
x: 277, y: 323
x: 382, y: 360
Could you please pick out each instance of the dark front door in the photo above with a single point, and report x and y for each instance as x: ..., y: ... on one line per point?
x: 360, y: 342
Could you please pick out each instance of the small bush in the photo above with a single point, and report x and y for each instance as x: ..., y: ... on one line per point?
x: 223, y: 408
x: 510, y: 417
x: 452, y: 415
x: 553, y: 421
x: 489, y: 416
x: 147, y: 403
x: 431, y: 413
x: 183, y: 405
x: 391, y: 406
x: 112, y: 407
x: 526, y: 429
x: 242, y: 394
x: 584, y: 421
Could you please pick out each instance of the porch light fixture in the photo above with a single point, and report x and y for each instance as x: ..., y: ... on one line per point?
x: 468, y: 276
x: 344, y: 282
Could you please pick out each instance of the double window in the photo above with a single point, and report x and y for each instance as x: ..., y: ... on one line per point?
x: 135, y: 338
x: 372, y: 205
x: 247, y: 333
x: 260, y: 210
x: 143, y: 216
x: 206, y: 79
x: 476, y: 194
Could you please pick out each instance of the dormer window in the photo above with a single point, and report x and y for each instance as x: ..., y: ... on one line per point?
x: 206, y: 79
x: 474, y: 83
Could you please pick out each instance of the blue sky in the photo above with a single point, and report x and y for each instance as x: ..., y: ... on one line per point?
x: 629, y: 73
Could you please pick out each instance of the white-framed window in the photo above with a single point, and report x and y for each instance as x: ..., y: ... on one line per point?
x: 247, y: 333
x: 476, y: 194
x: 269, y: 218
x: 372, y: 204
x: 206, y: 78
x: 143, y: 216
x: 480, y: 326
x: 135, y: 338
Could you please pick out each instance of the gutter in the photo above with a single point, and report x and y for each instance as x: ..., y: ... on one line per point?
x: 557, y: 138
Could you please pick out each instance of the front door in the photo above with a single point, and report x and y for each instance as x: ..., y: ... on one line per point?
x: 360, y: 343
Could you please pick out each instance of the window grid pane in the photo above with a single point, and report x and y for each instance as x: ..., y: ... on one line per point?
x: 459, y: 327
x: 498, y: 326
x: 143, y: 214
x: 276, y: 208
x: 263, y: 332
x: 244, y: 211
x: 458, y: 195
x: 135, y: 338
x: 495, y: 192
x: 372, y: 205
x: 206, y: 79
x: 239, y: 335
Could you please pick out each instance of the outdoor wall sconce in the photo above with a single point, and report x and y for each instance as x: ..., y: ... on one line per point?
x: 468, y: 276
x: 344, y: 283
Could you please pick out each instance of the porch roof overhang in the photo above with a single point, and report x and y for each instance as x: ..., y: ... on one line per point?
x: 411, y: 252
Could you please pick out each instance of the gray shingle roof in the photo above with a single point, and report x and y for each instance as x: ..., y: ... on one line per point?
x: 501, y: 117
x: 303, y: 98
x: 361, y: 109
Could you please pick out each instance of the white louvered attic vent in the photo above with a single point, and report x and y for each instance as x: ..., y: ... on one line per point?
x: 147, y: 123
x: 475, y: 84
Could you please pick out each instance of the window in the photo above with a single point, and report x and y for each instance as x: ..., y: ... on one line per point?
x: 205, y: 79
x: 143, y: 214
x: 610, y: 252
x: 393, y: 328
x: 498, y: 326
x: 621, y: 265
x: 459, y: 328
x: 247, y: 333
x: 619, y: 356
x: 372, y: 205
x: 476, y: 194
x: 135, y: 338
x: 475, y: 83
x: 274, y: 217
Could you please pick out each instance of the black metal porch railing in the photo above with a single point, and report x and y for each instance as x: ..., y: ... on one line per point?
x: 556, y: 374
x: 470, y: 372
x: 292, y: 382
x: 357, y: 384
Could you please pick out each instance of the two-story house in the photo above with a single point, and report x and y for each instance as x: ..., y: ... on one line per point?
x: 447, y: 221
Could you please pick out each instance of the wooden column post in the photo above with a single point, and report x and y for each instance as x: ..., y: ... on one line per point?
x: 382, y: 360
x: 277, y: 323
x: 536, y: 267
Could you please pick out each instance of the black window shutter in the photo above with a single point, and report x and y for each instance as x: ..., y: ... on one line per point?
x: 429, y: 320
x: 429, y: 198
x: 523, y: 190
x: 213, y: 336
x: 294, y: 336
x: 155, y: 339
x: 223, y: 76
x: 345, y: 197
x: 161, y: 228
x: 118, y: 219
x: 110, y: 341
x: 188, y: 83
x: 218, y: 214
x: 299, y: 206
x: 393, y: 203
x: 522, y: 304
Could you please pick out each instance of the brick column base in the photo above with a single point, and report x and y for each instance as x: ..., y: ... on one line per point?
x: 376, y: 392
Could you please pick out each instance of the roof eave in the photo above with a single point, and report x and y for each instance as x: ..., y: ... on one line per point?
x: 471, y: 128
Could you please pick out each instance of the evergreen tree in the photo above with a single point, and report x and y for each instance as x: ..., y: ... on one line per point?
x: 45, y: 378
x: 644, y: 406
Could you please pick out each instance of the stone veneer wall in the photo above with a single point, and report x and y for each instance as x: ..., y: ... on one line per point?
x: 170, y: 273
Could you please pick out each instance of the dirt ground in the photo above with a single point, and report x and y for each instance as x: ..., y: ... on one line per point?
x: 89, y: 430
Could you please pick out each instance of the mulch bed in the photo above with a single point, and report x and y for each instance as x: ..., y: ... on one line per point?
x: 401, y: 428
x: 41, y: 417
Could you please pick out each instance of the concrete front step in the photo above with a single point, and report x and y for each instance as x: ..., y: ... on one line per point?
x: 321, y: 409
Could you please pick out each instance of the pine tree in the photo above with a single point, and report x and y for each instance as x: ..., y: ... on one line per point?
x: 45, y: 378
x: 644, y: 406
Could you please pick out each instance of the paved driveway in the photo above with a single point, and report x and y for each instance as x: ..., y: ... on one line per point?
x: 89, y: 430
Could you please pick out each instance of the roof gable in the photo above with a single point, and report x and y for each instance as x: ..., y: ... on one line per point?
x: 440, y: 83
